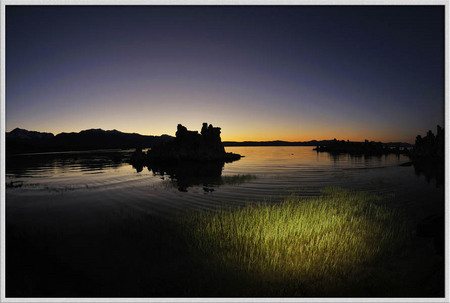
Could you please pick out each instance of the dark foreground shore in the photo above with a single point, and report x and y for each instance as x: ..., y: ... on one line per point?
x: 131, y: 254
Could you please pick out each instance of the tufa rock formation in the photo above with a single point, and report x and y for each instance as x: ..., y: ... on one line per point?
x: 189, y: 146
x: 428, y: 156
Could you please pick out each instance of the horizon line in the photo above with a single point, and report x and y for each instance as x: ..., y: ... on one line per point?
x: 224, y: 141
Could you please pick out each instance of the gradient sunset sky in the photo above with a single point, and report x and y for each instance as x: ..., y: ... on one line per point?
x: 291, y: 73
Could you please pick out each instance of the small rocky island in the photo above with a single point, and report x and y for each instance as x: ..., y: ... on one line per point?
x: 360, y: 148
x: 188, y: 146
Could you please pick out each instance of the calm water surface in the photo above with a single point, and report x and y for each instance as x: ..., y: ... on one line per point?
x: 88, y: 224
x: 60, y: 183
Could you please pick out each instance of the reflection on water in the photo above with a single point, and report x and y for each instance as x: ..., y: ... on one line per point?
x: 431, y: 172
x: 264, y: 173
x: 189, y: 173
x: 193, y: 173
x: 83, y: 216
x: 47, y: 164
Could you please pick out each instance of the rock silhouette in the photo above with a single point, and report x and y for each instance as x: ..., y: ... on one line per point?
x: 428, y: 156
x: 192, y: 146
x: 360, y: 148
x: 430, y: 147
x: 191, y: 158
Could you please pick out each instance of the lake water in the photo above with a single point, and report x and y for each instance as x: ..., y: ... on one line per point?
x: 81, y: 208
x: 62, y: 181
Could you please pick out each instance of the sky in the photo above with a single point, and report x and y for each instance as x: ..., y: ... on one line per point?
x: 294, y: 73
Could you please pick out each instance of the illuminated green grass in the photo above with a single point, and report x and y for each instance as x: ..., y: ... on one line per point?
x: 335, y: 244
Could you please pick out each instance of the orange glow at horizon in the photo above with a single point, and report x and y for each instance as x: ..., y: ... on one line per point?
x: 239, y: 133
x: 298, y: 138
x: 237, y: 116
x: 288, y: 77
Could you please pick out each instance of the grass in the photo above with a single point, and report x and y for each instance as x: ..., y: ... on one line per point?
x: 340, y: 243
x: 237, y: 179
x: 214, y: 180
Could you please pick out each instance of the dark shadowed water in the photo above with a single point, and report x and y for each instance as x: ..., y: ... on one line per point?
x: 66, y: 182
x: 80, y: 209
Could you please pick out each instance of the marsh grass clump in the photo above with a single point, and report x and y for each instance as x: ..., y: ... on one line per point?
x: 237, y: 179
x: 334, y: 244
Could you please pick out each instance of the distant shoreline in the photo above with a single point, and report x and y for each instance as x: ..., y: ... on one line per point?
x: 25, y: 141
x: 300, y: 143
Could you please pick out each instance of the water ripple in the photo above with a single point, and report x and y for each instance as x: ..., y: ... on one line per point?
x: 265, y: 174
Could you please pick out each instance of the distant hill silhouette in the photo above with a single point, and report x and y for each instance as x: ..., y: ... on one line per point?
x: 21, y: 140
x: 272, y: 143
x: 301, y: 143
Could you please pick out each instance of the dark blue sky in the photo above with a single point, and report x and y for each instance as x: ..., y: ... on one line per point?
x: 259, y: 72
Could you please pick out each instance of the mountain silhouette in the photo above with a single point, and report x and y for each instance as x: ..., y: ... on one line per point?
x: 22, y: 140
